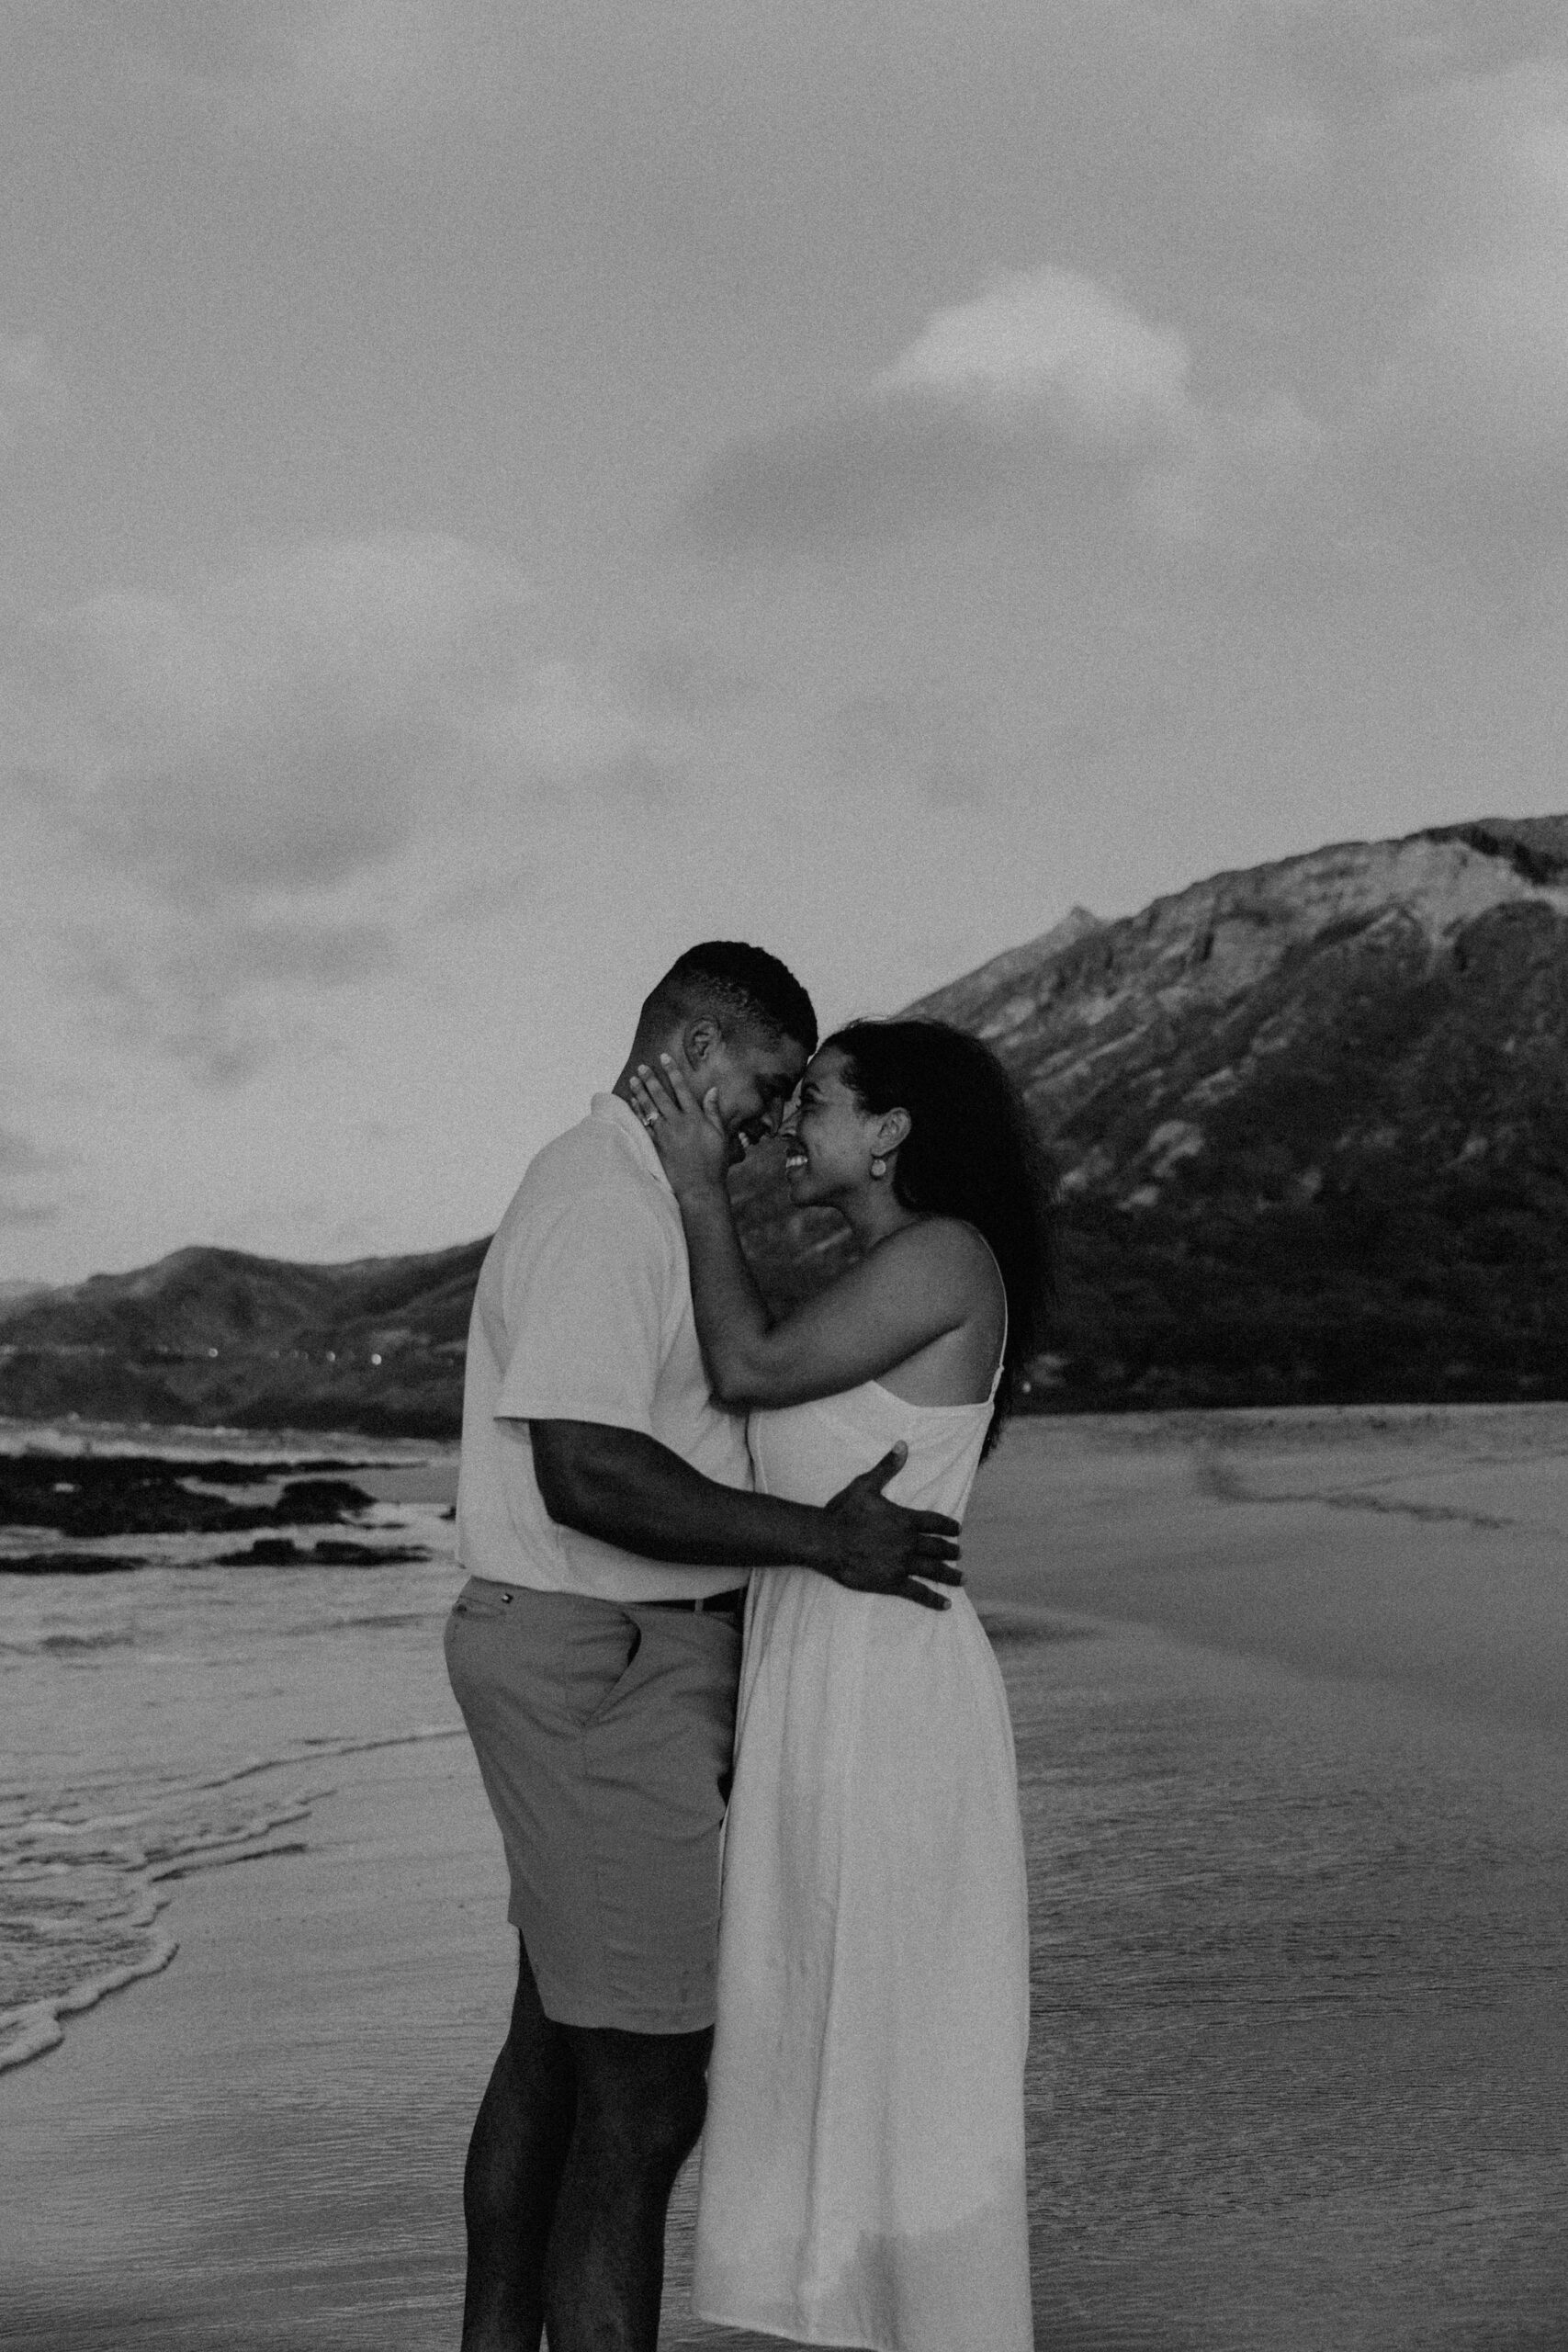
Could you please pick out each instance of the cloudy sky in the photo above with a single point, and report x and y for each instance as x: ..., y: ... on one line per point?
x: 495, y: 493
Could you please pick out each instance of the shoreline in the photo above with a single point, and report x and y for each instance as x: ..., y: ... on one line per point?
x: 73, y: 1434
x: 1132, y: 1425
x: 35, y: 2025
x: 1297, y: 1695
x: 261, y: 2151
x: 1543, y: 1417
x: 203, y: 2157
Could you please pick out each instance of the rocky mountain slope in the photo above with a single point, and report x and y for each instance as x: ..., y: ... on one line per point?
x: 1311, y: 1127
x: 215, y: 1337
x: 1311, y: 1124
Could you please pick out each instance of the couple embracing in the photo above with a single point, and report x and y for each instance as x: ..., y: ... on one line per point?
x: 710, y: 1560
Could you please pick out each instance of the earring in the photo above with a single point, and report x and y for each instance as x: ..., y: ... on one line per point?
x: 879, y: 1166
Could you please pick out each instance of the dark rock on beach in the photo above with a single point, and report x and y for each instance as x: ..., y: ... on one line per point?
x: 81, y: 1496
x: 69, y: 1564
x: 329, y: 1552
x: 318, y: 1499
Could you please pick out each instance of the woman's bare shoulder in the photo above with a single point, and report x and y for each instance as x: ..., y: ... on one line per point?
x: 946, y: 1248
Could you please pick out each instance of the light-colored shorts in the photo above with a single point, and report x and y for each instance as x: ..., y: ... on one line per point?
x: 605, y: 1735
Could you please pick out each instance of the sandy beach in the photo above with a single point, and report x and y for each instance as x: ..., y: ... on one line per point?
x: 1288, y: 1693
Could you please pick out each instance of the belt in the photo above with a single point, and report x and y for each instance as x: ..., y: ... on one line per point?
x: 710, y: 1604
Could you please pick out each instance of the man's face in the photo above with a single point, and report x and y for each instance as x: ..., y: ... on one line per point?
x: 755, y: 1075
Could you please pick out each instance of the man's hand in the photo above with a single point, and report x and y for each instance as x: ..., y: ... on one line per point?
x: 688, y: 1136
x: 879, y: 1546
x: 627, y: 1489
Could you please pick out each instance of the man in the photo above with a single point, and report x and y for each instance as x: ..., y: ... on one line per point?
x: 606, y: 1517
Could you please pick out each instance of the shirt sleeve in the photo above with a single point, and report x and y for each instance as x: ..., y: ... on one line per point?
x: 583, y: 1308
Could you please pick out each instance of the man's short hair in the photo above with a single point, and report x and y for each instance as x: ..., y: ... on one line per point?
x: 742, y: 987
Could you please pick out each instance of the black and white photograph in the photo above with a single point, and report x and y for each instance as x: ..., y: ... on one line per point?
x: 784, y: 1176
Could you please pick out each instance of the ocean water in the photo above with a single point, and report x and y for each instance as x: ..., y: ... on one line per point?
x: 1292, y: 1714
x: 182, y: 1716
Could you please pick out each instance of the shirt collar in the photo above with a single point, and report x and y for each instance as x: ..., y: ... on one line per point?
x: 620, y: 1115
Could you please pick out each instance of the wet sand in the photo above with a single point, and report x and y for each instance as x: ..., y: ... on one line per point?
x: 1291, y: 1699
x: 263, y: 2147
x: 1419, y: 1549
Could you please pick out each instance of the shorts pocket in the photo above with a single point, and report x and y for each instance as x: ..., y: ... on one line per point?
x: 468, y: 1639
x: 480, y: 1599
x: 595, y: 1662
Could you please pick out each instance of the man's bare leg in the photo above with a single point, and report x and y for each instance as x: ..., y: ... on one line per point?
x: 513, y: 2176
x: 640, y: 2100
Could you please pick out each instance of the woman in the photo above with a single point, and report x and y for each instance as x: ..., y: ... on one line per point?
x: 862, y: 2169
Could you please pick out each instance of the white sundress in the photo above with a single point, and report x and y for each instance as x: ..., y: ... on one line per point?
x: 863, y: 2176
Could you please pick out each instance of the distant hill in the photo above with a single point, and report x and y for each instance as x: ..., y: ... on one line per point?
x: 214, y: 1336
x: 15, y: 1295
x: 1311, y: 1124
x: 1311, y: 1127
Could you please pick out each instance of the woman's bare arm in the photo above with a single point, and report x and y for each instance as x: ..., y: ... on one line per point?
x: 914, y: 1287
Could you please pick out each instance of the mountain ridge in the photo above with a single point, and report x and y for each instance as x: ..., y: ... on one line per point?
x: 219, y: 1337
x: 1310, y: 1122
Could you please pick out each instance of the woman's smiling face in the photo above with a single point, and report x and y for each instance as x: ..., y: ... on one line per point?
x: 830, y: 1137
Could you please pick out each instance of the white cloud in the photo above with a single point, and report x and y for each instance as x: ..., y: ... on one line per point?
x: 259, y: 787
x: 221, y: 994
x: 1052, y: 339
x: 292, y: 728
x: 1046, y: 386
x: 273, y: 731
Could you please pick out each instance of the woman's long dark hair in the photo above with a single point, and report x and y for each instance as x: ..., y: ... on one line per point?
x: 971, y: 1152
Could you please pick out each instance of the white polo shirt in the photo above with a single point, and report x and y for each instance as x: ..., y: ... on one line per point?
x: 583, y: 1313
